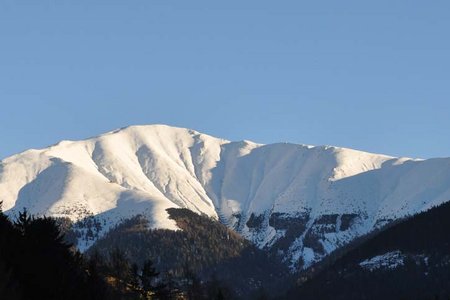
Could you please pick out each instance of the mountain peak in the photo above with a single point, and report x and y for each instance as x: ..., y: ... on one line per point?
x: 302, y: 200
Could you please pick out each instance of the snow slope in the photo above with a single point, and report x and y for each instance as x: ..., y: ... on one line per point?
x: 389, y: 260
x: 300, y: 201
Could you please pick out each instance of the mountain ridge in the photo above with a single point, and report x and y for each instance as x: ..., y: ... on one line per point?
x: 311, y: 199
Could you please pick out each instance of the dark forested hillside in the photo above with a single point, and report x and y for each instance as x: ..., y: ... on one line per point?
x: 203, y: 247
x: 36, y: 263
x: 410, y: 260
x: 206, y: 260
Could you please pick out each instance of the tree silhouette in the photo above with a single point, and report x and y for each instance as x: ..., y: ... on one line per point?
x: 23, y: 222
x: 150, y: 286
x: 36, y: 263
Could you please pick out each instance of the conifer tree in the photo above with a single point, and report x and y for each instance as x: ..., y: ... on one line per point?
x: 148, y: 275
x: 23, y: 222
x: 120, y: 267
x: 150, y: 287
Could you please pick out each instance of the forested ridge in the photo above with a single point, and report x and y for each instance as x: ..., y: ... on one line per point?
x: 423, y: 272
x: 206, y: 260
x: 204, y: 247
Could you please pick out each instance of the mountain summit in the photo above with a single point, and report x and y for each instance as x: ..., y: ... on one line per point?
x: 301, y: 202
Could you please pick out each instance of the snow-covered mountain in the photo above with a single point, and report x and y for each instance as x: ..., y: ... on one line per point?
x: 300, y: 201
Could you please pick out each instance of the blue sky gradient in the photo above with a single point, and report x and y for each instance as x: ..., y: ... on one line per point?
x: 370, y: 75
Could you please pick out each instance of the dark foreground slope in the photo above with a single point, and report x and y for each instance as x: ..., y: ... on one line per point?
x: 409, y: 260
x: 36, y: 263
x: 203, y: 247
x: 205, y: 260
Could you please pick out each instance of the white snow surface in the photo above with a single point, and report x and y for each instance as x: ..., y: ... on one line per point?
x: 147, y: 169
x: 389, y: 260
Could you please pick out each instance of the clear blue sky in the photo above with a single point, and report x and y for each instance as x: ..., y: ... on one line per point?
x: 370, y: 75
